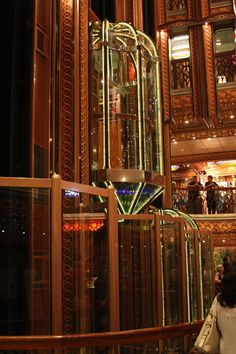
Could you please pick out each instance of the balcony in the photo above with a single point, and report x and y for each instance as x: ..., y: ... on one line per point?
x: 225, y: 200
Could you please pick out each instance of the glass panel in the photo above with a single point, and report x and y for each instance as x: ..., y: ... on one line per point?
x: 137, y: 246
x: 25, y: 261
x: 96, y: 132
x: 191, y: 276
x: 123, y: 109
x: 151, y: 113
x: 85, y: 263
x: 172, y: 274
x: 125, y: 127
x: 206, y: 276
x: 224, y: 40
x: 180, y: 47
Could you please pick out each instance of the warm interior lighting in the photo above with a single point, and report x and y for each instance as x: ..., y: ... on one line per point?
x: 82, y: 225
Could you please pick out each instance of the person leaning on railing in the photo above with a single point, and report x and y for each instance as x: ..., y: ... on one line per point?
x: 211, y: 186
x: 194, y: 198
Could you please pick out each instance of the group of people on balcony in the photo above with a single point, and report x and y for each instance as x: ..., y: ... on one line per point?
x: 194, y: 199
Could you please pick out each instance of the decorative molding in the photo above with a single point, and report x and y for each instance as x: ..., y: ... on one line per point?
x: 83, y: 89
x: 218, y: 226
x: 162, y: 43
x: 66, y: 90
x: 66, y: 148
x: 210, y: 73
x: 204, y: 134
x: 223, y: 155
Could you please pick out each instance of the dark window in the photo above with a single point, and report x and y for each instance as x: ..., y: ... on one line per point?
x: 104, y: 9
x: 148, y: 18
x: 15, y: 86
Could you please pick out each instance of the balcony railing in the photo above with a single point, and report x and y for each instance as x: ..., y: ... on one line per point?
x: 222, y: 201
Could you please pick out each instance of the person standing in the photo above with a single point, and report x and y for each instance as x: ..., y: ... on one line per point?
x: 226, y: 312
x: 194, y: 199
x: 211, y: 186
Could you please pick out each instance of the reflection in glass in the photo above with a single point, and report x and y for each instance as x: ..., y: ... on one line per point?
x: 85, y: 264
x: 25, y: 305
x: 137, y: 274
x: 172, y: 274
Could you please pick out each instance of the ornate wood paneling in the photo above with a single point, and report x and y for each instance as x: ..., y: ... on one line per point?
x: 204, y: 134
x: 227, y: 105
x: 223, y: 155
x: 224, y: 231
x: 182, y: 111
x: 205, y: 8
x: 160, y: 7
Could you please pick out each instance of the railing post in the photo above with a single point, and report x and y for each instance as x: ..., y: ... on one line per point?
x: 56, y: 254
x: 113, y: 261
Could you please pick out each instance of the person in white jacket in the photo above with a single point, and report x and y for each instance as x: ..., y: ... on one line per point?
x: 226, y: 312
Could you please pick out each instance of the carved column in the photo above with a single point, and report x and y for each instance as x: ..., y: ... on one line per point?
x: 162, y: 44
x: 83, y: 111
x: 210, y: 72
x: 66, y: 91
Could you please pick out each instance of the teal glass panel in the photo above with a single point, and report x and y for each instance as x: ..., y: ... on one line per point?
x: 148, y: 192
x: 126, y: 194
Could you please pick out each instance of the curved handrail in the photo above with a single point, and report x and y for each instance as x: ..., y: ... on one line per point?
x: 104, y: 339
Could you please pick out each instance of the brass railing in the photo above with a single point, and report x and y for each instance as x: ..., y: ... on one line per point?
x: 224, y: 201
